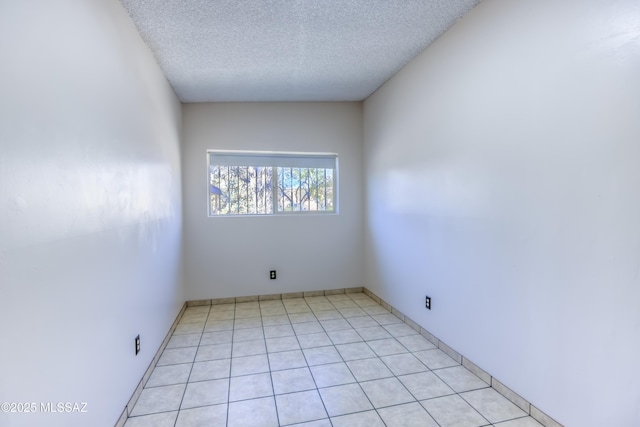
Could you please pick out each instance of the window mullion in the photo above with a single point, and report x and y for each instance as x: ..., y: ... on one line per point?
x: 274, y: 189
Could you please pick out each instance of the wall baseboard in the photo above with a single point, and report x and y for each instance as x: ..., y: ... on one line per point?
x: 136, y: 393
x: 498, y: 386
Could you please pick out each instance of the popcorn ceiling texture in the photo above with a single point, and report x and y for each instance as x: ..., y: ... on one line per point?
x: 288, y: 50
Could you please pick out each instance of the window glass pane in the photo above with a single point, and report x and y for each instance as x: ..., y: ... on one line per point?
x: 305, y: 189
x: 240, y: 190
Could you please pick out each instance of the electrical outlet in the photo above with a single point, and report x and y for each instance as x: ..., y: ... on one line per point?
x: 272, y: 275
x: 137, y: 345
x: 427, y: 302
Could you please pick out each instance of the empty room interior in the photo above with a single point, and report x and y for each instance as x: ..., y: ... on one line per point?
x: 467, y: 252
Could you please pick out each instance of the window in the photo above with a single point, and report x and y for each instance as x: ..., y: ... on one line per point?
x: 267, y: 183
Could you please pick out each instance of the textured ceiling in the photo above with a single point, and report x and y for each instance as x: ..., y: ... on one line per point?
x: 287, y: 50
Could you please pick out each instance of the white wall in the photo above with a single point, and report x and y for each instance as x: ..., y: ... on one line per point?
x: 90, y: 208
x: 232, y: 256
x: 502, y: 174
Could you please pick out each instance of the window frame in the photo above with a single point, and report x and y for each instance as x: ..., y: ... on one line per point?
x: 301, y: 157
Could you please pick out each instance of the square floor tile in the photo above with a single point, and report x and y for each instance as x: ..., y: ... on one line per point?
x: 314, y: 340
x: 218, y: 325
x: 335, y: 324
x: 302, y: 317
x: 281, y: 319
x: 174, y: 356
x: 355, y: 351
x: 316, y: 299
x: 220, y: 315
x: 300, y: 407
x: 416, y: 343
x: 197, y: 309
x: 248, y: 334
x: 273, y: 311
x: 194, y: 317
x: 460, y: 379
x: 360, y: 419
x: 332, y: 374
x: 248, y: 348
x: 362, y: 322
x: 407, y: 415
x: 271, y: 303
x: 321, y: 306
x: 344, y: 336
x: 159, y: 399
x: 219, y: 337
x: 247, y: 313
x: 425, y: 385
x: 286, y: 360
x: 282, y: 344
x: 321, y: 355
x: 452, y: 411
x: 307, y: 328
x: 373, y: 333
x: 278, y: 331
x: 328, y: 315
x: 345, y: 303
x: 250, y: 387
x: 165, y: 419
x: 369, y: 369
x: 352, y: 312
x: 247, y: 322
x: 210, y: 370
x: 249, y: 365
x: 191, y: 340
x: 387, y: 346
x: 247, y: 305
x: 386, y: 319
x: 338, y: 296
x: 386, y: 392
x: 402, y: 364
x: 362, y: 299
x: 293, y: 301
x: 206, y: 416
x: 492, y: 405
x: 292, y: 380
x: 205, y: 393
x: 188, y: 328
x: 297, y: 308
x: 344, y: 399
x: 255, y: 413
x: 375, y: 309
x: 214, y: 351
x: 435, y: 359
x: 400, y: 330
x: 169, y: 375
x: 222, y: 307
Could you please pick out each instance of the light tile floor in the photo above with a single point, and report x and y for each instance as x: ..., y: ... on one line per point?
x: 335, y: 360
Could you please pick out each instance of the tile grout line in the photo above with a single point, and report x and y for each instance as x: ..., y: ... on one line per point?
x: 266, y: 349
x: 448, y: 349
x: 354, y: 377
x: 458, y: 358
x: 128, y: 409
x: 192, y: 365
x: 317, y: 389
x: 394, y: 375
